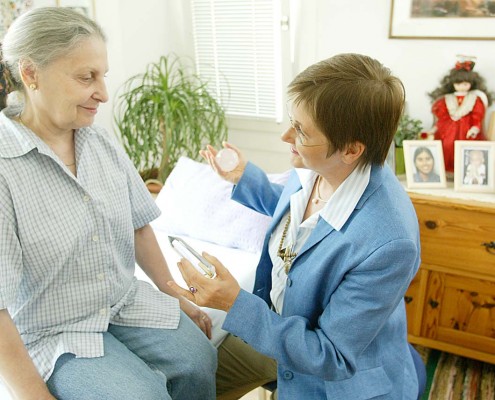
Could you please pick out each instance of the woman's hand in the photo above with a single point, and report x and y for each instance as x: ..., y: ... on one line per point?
x: 198, y: 316
x: 219, y: 293
x: 233, y: 176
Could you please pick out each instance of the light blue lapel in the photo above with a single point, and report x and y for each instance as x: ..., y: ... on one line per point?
x: 292, y: 186
x: 321, y: 230
x: 322, y: 227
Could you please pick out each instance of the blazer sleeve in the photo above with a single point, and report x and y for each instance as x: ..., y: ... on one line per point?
x: 355, y: 313
x: 256, y: 192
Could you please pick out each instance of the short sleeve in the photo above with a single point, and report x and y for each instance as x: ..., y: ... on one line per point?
x: 10, y: 250
x: 143, y: 207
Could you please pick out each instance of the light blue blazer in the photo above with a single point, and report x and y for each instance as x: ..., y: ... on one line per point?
x: 342, y: 334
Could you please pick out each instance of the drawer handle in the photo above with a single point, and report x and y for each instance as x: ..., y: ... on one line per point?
x: 490, y: 247
x: 408, y: 299
x: 433, y: 303
x: 431, y: 224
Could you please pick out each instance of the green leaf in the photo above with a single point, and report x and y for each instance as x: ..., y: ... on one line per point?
x: 167, y: 112
x: 408, y: 129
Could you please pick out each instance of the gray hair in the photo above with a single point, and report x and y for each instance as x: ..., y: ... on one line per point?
x: 42, y: 35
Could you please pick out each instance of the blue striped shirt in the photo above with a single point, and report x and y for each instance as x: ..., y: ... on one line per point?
x: 67, y: 244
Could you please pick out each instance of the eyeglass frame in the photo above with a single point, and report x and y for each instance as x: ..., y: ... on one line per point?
x: 299, y: 132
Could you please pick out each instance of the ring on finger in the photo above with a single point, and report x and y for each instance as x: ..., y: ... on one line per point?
x: 192, y: 289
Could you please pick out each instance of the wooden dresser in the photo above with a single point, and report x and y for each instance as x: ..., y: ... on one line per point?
x: 451, y: 302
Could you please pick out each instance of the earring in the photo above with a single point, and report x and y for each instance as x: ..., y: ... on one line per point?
x: 33, y: 86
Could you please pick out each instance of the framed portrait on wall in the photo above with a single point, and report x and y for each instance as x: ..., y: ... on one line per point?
x: 426, y: 19
x: 474, y: 166
x: 425, y: 167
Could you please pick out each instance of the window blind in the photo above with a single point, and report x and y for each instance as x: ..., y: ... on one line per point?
x: 238, y: 52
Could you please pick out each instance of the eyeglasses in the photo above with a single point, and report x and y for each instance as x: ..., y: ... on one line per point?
x: 301, y: 137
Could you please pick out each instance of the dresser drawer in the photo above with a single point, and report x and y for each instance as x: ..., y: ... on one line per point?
x: 460, y: 311
x: 414, y: 299
x: 454, y: 236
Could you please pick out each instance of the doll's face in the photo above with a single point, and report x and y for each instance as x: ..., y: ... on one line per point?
x: 462, y: 86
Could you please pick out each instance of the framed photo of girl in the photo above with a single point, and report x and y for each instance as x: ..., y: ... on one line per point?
x: 424, y: 164
x: 474, y: 166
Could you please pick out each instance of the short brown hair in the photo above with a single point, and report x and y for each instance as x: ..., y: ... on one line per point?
x: 352, y: 97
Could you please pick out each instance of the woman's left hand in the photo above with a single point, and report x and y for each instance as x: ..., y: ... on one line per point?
x: 219, y: 293
x: 198, y: 316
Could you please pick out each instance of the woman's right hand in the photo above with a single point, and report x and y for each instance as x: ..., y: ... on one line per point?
x: 233, y: 176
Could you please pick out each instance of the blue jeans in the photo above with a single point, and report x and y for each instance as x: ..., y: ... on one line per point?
x: 141, y: 363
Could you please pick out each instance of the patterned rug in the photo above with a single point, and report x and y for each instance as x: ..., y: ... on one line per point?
x: 451, y: 377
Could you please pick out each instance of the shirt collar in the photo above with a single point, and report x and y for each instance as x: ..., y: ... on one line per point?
x: 17, y: 140
x: 343, y: 202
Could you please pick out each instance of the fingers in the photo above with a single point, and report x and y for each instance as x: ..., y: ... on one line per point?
x: 209, y: 155
x: 231, y: 146
x: 181, y: 291
x: 206, y: 324
x: 222, y: 272
x: 194, y: 281
x: 188, y: 272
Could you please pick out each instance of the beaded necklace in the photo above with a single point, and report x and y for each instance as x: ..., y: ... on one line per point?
x: 286, y: 254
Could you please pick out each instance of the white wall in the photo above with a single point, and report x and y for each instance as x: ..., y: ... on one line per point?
x: 140, y: 32
x: 362, y: 26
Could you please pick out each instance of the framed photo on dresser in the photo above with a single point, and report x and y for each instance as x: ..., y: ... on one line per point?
x: 424, y: 164
x: 474, y: 166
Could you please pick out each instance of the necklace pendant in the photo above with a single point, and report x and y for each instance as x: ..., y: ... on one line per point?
x: 287, y: 266
x: 315, y: 201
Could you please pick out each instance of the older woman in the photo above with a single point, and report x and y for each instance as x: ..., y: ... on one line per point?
x: 74, y: 217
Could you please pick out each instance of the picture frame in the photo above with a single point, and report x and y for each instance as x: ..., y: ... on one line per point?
x: 390, y: 160
x: 421, y: 19
x: 424, y: 163
x: 474, y: 166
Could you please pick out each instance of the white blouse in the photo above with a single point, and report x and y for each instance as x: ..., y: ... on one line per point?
x: 336, y: 212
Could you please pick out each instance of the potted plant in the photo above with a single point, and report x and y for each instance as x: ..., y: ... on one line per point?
x: 165, y: 113
x: 408, y: 129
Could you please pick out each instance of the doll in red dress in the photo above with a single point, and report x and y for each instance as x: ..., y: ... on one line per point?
x: 459, y: 105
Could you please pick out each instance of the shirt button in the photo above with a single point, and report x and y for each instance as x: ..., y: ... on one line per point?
x: 86, y: 198
x: 288, y: 375
x: 95, y: 238
x: 289, y: 282
x: 103, y: 311
x: 101, y: 276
